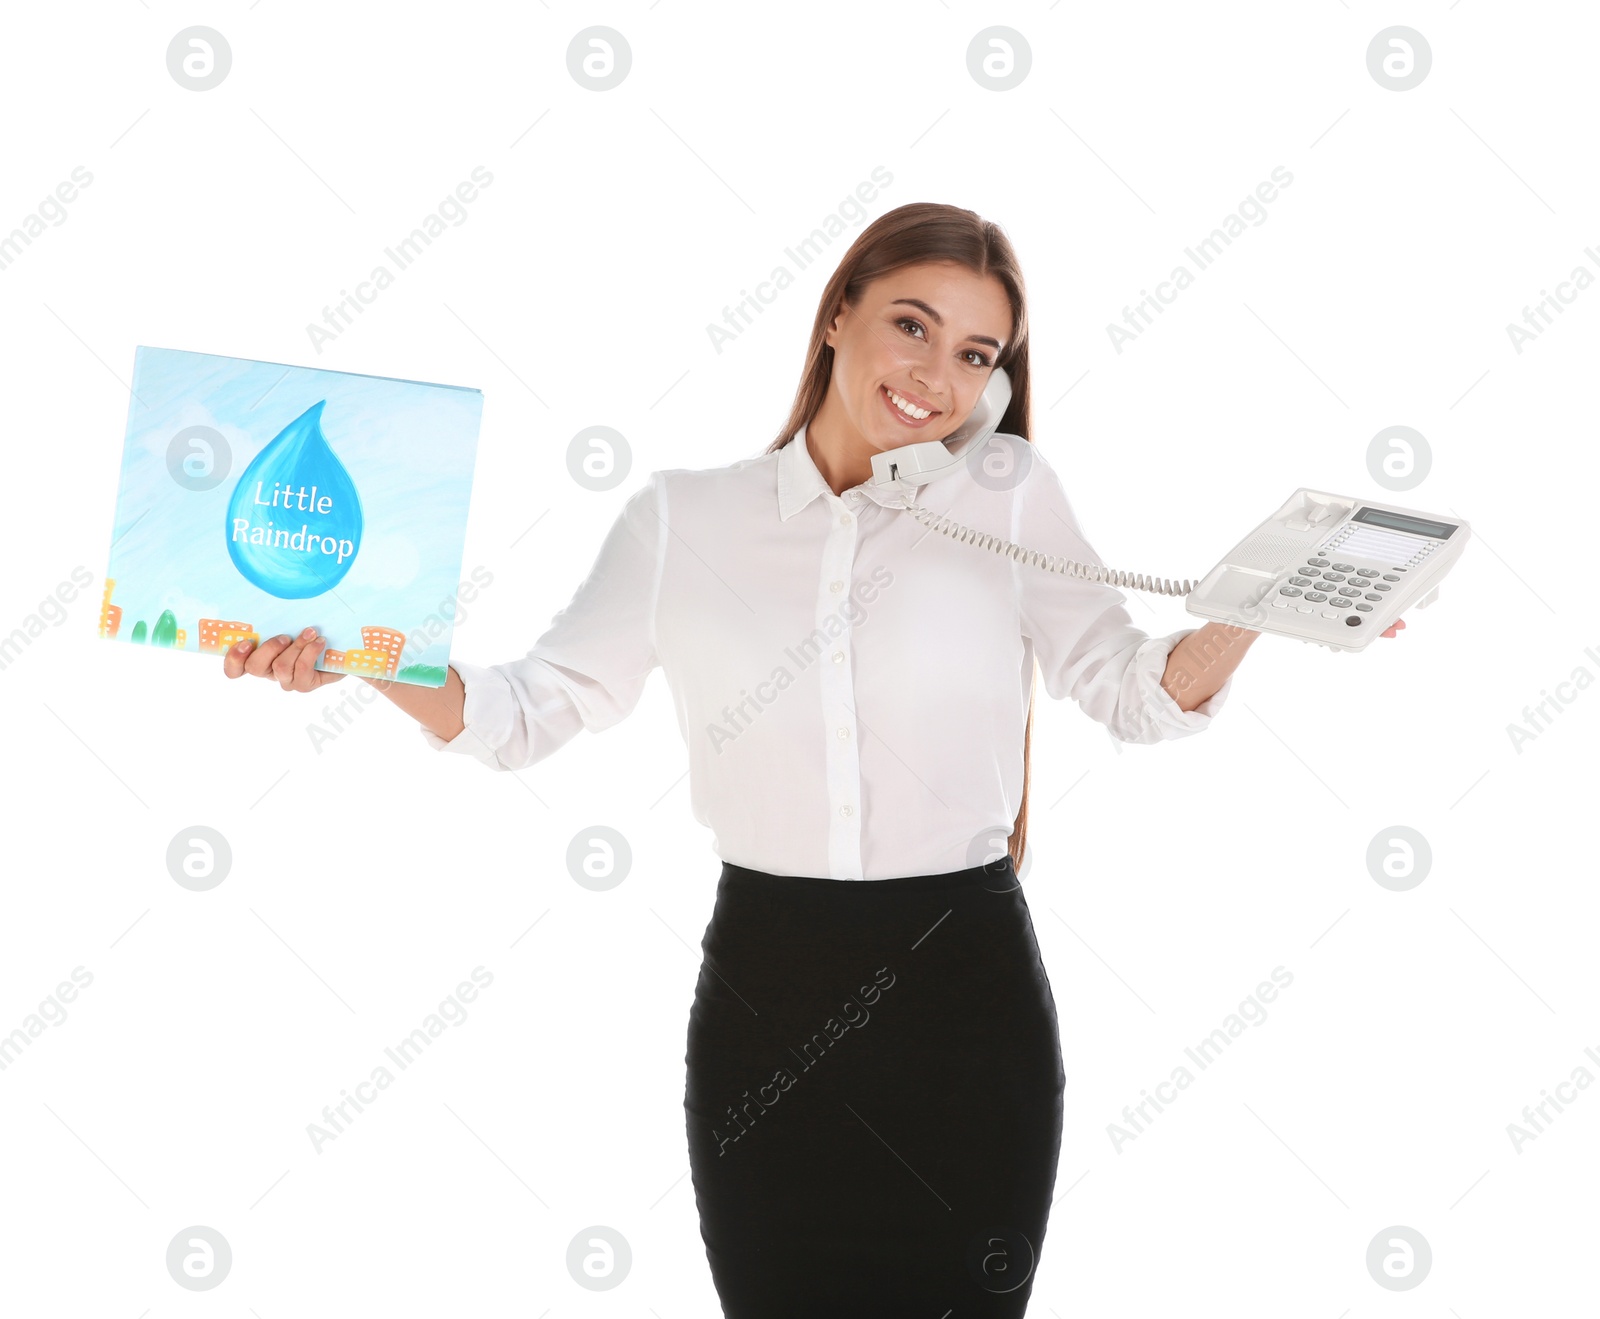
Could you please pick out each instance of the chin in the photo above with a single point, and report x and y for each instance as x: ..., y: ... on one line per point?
x: 934, y: 431
x: 892, y: 435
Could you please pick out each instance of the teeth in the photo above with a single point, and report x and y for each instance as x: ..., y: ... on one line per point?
x: 907, y: 408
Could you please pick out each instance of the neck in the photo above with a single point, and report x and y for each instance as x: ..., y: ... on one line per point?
x: 838, y: 449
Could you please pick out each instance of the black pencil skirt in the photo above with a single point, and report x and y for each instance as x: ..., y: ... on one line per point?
x: 874, y: 1095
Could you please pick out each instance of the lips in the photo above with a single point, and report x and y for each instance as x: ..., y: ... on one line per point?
x: 906, y: 419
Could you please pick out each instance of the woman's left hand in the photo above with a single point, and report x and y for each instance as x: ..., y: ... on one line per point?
x: 1393, y: 627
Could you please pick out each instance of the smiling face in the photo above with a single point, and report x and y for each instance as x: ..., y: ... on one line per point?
x: 913, y: 355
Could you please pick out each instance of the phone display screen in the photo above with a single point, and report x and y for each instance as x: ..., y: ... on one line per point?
x: 1379, y: 517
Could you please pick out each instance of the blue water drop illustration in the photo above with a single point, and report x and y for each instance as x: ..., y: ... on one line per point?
x: 294, y: 521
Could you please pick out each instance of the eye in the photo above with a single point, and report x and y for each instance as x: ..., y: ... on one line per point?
x: 983, y: 359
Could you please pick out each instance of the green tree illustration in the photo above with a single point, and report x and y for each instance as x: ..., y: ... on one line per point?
x: 138, y: 632
x: 165, y: 632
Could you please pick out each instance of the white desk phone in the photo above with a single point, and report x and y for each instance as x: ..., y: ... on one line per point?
x: 1324, y: 568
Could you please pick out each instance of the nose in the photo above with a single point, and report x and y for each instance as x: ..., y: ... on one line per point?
x: 929, y: 381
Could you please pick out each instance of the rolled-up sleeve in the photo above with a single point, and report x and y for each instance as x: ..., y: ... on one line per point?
x: 1086, y: 645
x: 589, y: 668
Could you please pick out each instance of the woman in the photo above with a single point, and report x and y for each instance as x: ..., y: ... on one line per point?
x: 874, y: 1074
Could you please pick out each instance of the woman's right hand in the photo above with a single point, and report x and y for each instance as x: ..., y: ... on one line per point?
x: 289, y: 660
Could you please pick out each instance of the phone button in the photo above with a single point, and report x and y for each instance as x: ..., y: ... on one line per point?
x: 1288, y: 590
x: 1365, y: 609
x: 1304, y: 609
x: 1330, y: 613
x: 1354, y: 620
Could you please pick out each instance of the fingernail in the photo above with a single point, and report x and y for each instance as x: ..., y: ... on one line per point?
x: 308, y: 634
x: 282, y: 636
x: 242, y: 647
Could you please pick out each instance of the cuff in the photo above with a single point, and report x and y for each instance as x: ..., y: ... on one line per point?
x: 1162, y: 716
x: 486, y: 716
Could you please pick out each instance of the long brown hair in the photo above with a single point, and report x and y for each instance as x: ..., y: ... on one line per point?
x: 908, y: 235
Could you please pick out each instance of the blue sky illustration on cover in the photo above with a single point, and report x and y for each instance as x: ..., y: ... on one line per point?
x: 258, y: 499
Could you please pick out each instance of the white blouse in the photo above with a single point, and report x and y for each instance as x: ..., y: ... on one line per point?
x: 851, y: 685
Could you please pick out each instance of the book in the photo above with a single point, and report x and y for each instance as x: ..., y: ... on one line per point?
x: 259, y: 498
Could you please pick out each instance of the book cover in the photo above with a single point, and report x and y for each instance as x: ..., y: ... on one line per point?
x: 258, y: 498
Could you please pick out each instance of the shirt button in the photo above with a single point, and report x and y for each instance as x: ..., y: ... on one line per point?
x: 838, y: 657
x: 844, y: 517
x: 847, y: 810
x: 836, y: 586
x: 844, y: 732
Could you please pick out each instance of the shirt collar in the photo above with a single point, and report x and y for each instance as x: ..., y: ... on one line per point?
x: 800, y: 481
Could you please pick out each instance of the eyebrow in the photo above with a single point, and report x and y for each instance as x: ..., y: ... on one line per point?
x: 939, y: 320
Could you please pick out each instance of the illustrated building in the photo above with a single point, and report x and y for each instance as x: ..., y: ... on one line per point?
x: 110, y: 614
x: 217, y: 634
x: 385, y: 639
x: 379, y: 655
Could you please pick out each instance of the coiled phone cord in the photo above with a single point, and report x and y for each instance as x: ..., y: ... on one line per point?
x: 1092, y: 572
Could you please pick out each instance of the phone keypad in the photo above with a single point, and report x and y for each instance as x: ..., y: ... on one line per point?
x: 1330, y: 587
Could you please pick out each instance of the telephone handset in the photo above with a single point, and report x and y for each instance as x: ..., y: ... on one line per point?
x: 1324, y: 568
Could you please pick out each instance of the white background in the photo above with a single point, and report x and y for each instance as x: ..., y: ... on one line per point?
x: 369, y: 879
